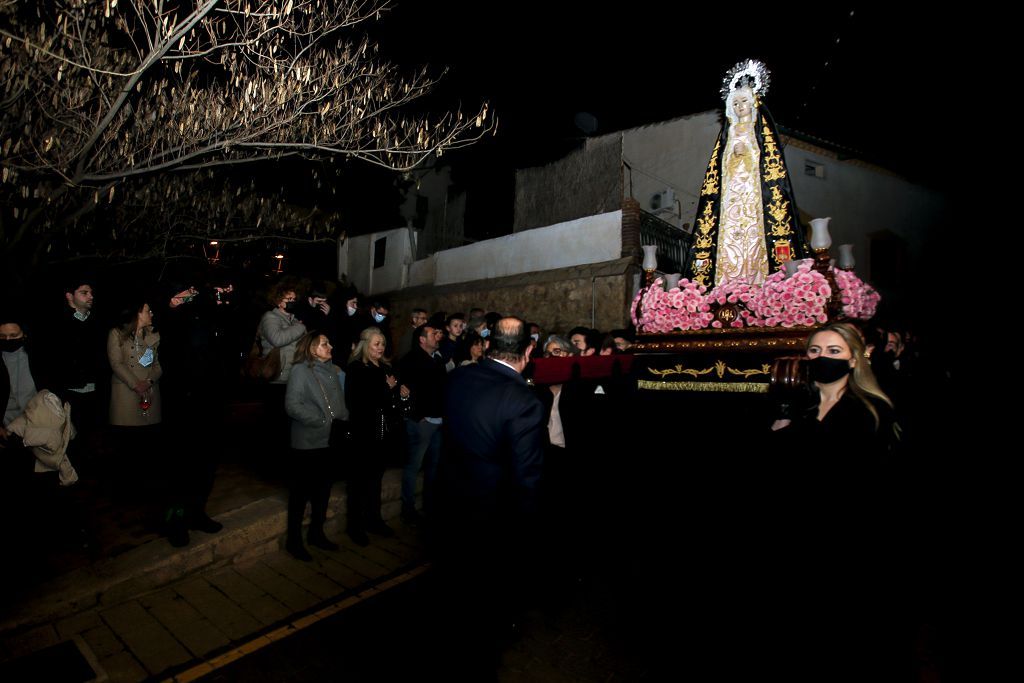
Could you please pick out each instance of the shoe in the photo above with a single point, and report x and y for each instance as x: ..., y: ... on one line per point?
x: 299, y: 552
x: 381, y: 529
x: 359, y: 538
x: 203, y: 523
x: 178, y: 536
x: 321, y: 541
x: 175, y: 528
x: 411, y: 517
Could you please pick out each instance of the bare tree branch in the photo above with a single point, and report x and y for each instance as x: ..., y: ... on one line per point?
x: 99, y: 98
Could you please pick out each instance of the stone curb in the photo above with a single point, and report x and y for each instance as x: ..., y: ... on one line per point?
x: 251, y: 531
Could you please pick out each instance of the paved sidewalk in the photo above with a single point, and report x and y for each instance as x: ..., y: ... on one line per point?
x: 183, y: 626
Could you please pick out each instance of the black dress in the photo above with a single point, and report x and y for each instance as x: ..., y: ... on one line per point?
x: 375, y: 430
x: 832, y: 534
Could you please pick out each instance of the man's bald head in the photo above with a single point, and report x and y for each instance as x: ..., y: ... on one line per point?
x: 510, y: 340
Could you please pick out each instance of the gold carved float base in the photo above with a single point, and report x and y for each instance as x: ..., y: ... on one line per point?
x: 743, y: 360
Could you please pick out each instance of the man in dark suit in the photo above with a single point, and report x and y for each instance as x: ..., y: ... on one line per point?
x: 488, y: 487
x: 495, y: 423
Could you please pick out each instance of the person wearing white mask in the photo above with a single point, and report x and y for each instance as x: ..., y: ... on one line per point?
x: 378, y: 317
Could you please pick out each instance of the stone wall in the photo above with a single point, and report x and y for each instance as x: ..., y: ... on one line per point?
x: 584, y: 183
x: 557, y: 300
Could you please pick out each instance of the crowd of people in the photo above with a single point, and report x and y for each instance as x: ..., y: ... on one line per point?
x: 137, y: 395
x: 509, y: 466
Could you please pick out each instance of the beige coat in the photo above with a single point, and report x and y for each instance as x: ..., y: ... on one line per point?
x: 46, y: 428
x: 124, y: 358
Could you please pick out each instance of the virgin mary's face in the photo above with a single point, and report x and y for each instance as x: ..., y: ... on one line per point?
x: 742, y: 102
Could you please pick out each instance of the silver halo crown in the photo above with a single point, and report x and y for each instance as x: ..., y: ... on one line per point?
x: 751, y: 74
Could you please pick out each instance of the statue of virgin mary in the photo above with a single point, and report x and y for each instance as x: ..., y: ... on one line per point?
x: 746, y: 223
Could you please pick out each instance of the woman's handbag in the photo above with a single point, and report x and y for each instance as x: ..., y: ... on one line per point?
x: 262, y: 368
x: 389, y: 422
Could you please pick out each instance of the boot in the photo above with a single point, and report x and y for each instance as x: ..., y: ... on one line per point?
x: 201, y: 522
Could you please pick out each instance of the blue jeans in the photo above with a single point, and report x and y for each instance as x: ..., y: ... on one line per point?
x: 424, y: 441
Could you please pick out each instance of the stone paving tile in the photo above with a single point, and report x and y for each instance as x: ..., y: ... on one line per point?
x: 234, y: 585
x: 229, y: 618
x: 72, y: 626
x: 400, y: 549
x: 342, y: 574
x: 147, y: 639
x: 360, y: 564
x: 267, y: 610
x: 304, y: 574
x: 32, y: 640
x: 102, y: 641
x: 247, y: 595
x: 123, y: 668
x: 381, y: 557
x: 182, y: 620
x: 292, y: 596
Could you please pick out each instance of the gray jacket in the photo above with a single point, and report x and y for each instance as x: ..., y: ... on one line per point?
x: 23, y: 387
x: 310, y: 403
x: 281, y: 330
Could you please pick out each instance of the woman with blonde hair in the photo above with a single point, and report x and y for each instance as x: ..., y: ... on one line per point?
x: 837, y: 533
x: 372, y: 394
x: 845, y: 402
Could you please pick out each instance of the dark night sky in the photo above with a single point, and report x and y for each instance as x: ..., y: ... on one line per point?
x: 640, y: 62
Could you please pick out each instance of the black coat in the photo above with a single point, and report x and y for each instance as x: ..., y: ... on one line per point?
x: 491, y: 468
x: 425, y: 377
x: 369, y: 398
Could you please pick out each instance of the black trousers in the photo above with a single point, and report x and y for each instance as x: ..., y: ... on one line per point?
x: 365, y: 465
x: 311, y: 480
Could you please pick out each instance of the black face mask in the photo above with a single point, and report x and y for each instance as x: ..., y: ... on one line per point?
x: 291, y: 306
x: 828, y: 370
x: 11, y: 345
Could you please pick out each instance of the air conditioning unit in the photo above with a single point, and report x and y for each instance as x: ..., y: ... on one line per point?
x: 663, y: 201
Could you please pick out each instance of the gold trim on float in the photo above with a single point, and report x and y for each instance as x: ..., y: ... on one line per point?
x: 680, y: 370
x: 720, y: 387
x: 719, y: 368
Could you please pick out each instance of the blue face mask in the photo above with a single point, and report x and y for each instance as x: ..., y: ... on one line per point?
x: 378, y: 317
x: 485, y: 332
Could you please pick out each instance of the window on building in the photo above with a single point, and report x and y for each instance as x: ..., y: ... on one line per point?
x: 379, y: 250
x: 814, y: 168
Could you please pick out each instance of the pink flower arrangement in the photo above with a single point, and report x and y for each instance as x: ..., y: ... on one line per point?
x: 859, y: 299
x: 797, y: 300
x: 680, y: 308
x: 741, y: 294
x: 801, y: 299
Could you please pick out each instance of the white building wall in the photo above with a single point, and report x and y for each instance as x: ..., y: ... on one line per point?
x: 594, y: 239
x: 357, y: 260
x: 587, y: 240
x: 862, y: 200
x: 671, y: 155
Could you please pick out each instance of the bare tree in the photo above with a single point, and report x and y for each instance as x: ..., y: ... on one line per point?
x: 97, y: 97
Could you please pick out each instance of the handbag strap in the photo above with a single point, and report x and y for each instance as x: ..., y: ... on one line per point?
x: 324, y: 392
